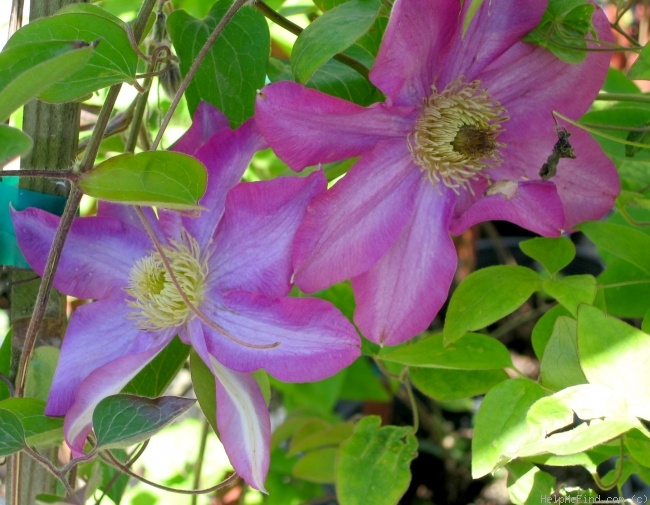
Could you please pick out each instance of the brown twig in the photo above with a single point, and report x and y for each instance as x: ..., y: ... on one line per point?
x: 109, y: 458
x: 195, y: 67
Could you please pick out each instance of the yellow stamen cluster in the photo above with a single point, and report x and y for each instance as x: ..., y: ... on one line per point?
x: 158, y: 304
x: 455, y: 138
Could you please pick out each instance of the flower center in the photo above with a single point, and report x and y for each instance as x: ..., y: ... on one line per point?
x: 455, y: 138
x: 158, y: 304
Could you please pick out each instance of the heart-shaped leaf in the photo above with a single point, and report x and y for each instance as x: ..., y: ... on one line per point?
x: 113, y: 61
x: 332, y: 33
x: 370, y: 455
x: 12, y: 435
x: 38, y: 429
x: 13, y: 143
x: 124, y: 420
x: 552, y: 253
x: 159, y: 178
x: 30, y: 69
x: 472, y: 352
x: 234, y: 69
x: 487, y: 295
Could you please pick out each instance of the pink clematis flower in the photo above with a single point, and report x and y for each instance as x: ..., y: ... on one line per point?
x: 461, y: 138
x: 234, y: 263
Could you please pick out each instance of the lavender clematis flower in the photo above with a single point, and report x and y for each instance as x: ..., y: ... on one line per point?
x: 234, y: 264
x: 465, y: 129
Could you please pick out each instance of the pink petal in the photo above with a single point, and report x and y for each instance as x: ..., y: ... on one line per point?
x: 533, y: 205
x: 531, y: 82
x: 315, y: 339
x: 207, y: 121
x: 255, y: 236
x: 226, y: 156
x: 588, y: 185
x: 407, y: 62
x: 348, y: 228
x: 306, y: 127
x: 98, y: 333
x: 97, y: 257
x: 400, y: 296
x: 244, y: 424
x: 497, y: 25
x: 242, y: 416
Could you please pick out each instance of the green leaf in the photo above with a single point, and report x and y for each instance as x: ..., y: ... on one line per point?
x: 204, y: 388
x: 639, y: 446
x: 282, y: 488
x: 487, y: 295
x: 527, y: 483
x: 235, y: 67
x: 13, y: 143
x: 114, y: 482
x: 472, y: 352
x: 444, y: 385
x: 362, y: 383
x: 617, y: 82
x: 621, y: 241
x: 589, y: 459
x: 576, y: 419
x: 368, y: 457
x: 564, y: 28
x: 626, y: 289
x: 81, y: 8
x: 552, y: 253
x: 320, y: 436
x: 500, y: 428
x: 41, y: 371
x: 640, y: 69
x: 113, y: 60
x: 333, y: 78
x: 302, y: 395
x: 28, y: 70
x: 544, y: 328
x: 586, y: 401
x: 337, y: 79
x: 341, y: 296
x: 614, y: 354
x: 12, y: 436
x: 571, y: 291
x: 294, y: 424
x: 312, y: 426
x: 560, y: 367
x: 639, y: 137
x: 39, y: 429
x: 159, y: 178
x: 316, y: 466
x: 123, y: 420
x: 158, y: 374
x: 330, y: 34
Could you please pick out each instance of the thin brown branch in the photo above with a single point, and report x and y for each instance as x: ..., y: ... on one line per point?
x: 195, y: 67
x: 109, y: 458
